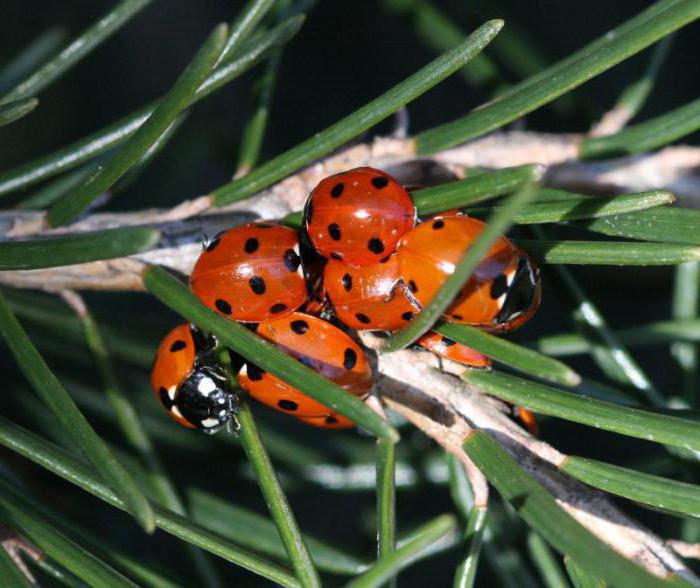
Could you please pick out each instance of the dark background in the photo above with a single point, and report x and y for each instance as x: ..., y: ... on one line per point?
x: 348, y: 52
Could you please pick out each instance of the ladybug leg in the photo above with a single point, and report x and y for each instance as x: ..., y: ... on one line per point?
x: 441, y: 365
x: 392, y: 292
x: 407, y: 291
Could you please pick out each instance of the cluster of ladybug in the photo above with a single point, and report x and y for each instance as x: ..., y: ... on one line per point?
x: 362, y: 262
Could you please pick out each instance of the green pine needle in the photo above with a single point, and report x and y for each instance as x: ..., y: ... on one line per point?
x: 169, y: 108
x: 625, y: 420
x: 655, y: 22
x: 75, y: 424
x: 13, y: 111
x: 360, y: 120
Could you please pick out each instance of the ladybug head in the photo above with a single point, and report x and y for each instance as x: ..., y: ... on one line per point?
x: 204, y: 401
x: 524, y: 289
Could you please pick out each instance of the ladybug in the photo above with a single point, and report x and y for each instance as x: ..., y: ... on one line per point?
x: 331, y: 421
x: 251, y: 273
x: 358, y: 216
x: 189, y: 383
x: 449, y: 349
x: 318, y: 345
x: 527, y: 419
x: 503, y: 292
x: 369, y: 297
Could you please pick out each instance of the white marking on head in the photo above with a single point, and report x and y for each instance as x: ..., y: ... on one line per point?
x: 175, y: 410
x: 206, y: 386
x: 509, y: 278
x: 208, y: 423
x: 171, y: 392
x: 244, y: 370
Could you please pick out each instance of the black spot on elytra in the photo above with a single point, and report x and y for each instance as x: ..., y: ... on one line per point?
x: 412, y: 286
x: 334, y: 231
x: 291, y: 260
x: 277, y: 308
x: 438, y: 224
x: 380, y: 182
x: 178, y: 345
x: 257, y: 285
x: 251, y: 245
x: 222, y: 306
x: 212, y: 245
x: 375, y: 245
x: 165, y: 398
x: 255, y: 374
x: 499, y: 286
x: 337, y: 190
x: 363, y: 318
x: 385, y: 259
x: 349, y: 359
x: 288, y: 405
x: 447, y: 342
x: 331, y: 420
x: 299, y: 327
x: 336, y: 256
x: 347, y: 282
x: 407, y: 316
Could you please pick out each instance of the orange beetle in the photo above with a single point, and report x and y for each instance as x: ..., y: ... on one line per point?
x: 369, y: 297
x: 189, y: 384
x: 320, y: 346
x: 358, y: 216
x: 504, y: 290
x: 251, y: 273
x: 449, y: 349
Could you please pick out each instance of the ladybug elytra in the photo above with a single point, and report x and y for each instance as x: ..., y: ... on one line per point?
x: 358, y: 216
x: 251, y: 273
x: 318, y: 345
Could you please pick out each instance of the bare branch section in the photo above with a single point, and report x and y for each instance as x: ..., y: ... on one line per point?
x: 16, y: 545
x: 447, y: 409
x: 186, y: 226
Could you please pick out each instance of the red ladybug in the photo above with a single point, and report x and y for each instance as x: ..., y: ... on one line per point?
x: 446, y: 347
x: 358, y: 216
x: 369, y: 297
x: 189, y: 384
x: 251, y: 273
x: 318, y: 345
x: 503, y: 292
